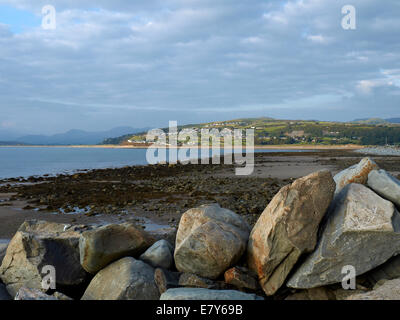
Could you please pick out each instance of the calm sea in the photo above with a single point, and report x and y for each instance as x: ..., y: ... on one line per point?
x: 28, y: 161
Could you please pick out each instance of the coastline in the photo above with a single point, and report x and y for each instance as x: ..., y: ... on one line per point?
x: 260, y: 147
x: 157, y: 194
x: 43, y: 160
x: 160, y: 194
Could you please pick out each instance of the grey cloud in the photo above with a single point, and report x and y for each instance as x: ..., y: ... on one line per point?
x: 142, y: 63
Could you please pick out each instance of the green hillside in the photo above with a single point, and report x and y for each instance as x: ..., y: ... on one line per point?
x: 270, y: 131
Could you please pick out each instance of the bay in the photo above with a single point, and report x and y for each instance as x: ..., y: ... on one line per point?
x: 38, y: 161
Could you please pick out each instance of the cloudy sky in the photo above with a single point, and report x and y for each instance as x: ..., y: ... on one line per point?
x: 143, y: 62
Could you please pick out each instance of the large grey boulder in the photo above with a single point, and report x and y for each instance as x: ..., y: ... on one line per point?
x: 385, y: 185
x: 362, y: 230
x: 210, y: 239
x: 125, y: 279
x: 390, y: 290
x: 106, y: 244
x: 159, y: 255
x: 38, y: 244
x: 355, y: 174
x: 288, y: 228
x: 206, y: 294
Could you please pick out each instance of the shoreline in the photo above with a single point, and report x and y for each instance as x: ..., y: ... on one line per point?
x: 71, y: 171
x: 259, y: 147
x: 155, y: 199
x: 160, y: 194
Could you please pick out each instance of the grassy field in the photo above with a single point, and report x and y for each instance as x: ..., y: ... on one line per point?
x: 271, y: 132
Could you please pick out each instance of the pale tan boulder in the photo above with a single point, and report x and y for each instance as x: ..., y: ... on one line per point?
x: 125, y: 279
x: 362, y: 231
x: 101, y: 246
x: 37, y: 244
x: 210, y: 239
x: 355, y: 174
x: 288, y: 228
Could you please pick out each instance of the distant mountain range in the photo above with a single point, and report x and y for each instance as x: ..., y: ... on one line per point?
x: 12, y: 143
x: 9, y: 134
x: 120, y: 135
x: 73, y: 137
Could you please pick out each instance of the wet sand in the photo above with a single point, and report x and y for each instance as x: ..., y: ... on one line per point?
x: 156, y: 196
x: 13, y: 214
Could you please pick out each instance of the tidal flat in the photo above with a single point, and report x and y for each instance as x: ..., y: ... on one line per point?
x: 155, y: 196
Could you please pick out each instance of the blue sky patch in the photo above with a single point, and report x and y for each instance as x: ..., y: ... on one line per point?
x: 18, y: 20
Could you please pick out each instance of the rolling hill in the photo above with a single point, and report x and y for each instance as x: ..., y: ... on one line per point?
x: 270, y: 131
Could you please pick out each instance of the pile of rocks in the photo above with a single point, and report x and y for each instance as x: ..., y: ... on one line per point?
x: 308, y: 234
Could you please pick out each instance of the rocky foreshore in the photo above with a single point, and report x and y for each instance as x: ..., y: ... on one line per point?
x: 159, y: 192
x: 314, y: 233
x: 380, y: 151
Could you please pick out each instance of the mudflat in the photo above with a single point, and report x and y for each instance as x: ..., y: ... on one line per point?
x: 155, y: 196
